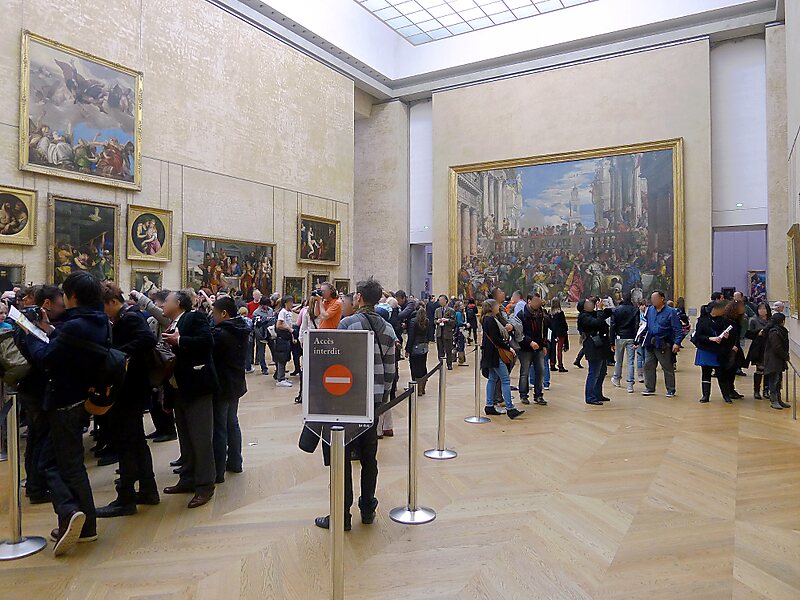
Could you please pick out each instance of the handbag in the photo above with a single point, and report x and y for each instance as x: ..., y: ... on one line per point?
x: 160, y: 364
x: 598, y: 341
x: 419, y: 349
x: 507, y: 356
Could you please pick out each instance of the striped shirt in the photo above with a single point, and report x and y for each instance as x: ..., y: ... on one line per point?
x: 384, y: 353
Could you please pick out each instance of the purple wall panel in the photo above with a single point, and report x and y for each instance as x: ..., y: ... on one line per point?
x: 737, y: 251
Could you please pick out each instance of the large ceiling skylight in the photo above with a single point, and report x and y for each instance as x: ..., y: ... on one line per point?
x: 421, y: 21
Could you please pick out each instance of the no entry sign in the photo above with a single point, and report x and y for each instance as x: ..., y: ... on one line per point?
x: 338, y: 376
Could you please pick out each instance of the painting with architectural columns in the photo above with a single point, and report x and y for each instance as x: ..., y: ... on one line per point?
x: 602, y: 222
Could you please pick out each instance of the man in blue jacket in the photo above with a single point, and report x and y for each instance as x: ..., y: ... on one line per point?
x: 661, y: 343
x: 69, y: 374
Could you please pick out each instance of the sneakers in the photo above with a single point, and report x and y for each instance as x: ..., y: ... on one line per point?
x: 615, y: 382
x: 630, y: 388
x: 648, y: 393
x: 670, y: 394
x: 540, y: 401
x: 546, y: 387
x: 67, y: 535
x: 525, y: 401
x: 641, y: 378
x: 250, y: 371
x: 284, y: 383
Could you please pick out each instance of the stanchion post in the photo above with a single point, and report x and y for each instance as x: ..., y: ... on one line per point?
x: 441, y: 452
x: 17, y: 546
x: 337, y: 512
x: 412, y: 513
x: 477, y: 417
x: 794, y: 392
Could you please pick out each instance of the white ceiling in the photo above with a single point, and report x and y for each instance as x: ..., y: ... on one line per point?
x: 422, y: 21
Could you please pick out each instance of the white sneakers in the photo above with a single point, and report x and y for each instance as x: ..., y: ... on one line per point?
x: 615, y: 382
x: 630, y: 388
x: 284, y: 383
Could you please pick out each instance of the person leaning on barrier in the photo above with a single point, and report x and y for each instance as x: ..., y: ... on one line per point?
x: 368, y: 294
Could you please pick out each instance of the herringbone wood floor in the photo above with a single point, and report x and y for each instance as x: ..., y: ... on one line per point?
x: 643, y: 498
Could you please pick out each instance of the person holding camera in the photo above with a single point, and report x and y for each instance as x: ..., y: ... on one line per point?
x: 326, y: 306
x: 65, y: 359
x: 597, y: 346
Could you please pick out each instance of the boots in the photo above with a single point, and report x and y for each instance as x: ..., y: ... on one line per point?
x: 757, y: 378
x: 706, y: 392
x: 462, y: 360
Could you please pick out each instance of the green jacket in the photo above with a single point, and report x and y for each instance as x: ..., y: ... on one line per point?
x: 13, y: 365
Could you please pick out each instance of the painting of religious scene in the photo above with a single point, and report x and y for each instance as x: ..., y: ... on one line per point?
x: 316, y: 279
x: 149, y: 234
x: 318, y: 241
x: 600, y: 226
x: 222, y: 265
x: 83, y: 237
x: 293, y: 286
x: 80, y: 115
x: 146, y: 281
x: 17, y: 216
x: 758, y: 286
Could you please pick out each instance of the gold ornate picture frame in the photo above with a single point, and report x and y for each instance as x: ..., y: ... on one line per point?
x: 318, y: 240
x: 146, y: 280
x: 149, y: 234
x: 80, y: 115
x: 82, y: 235
x: 18, y: 216
x: 317, y: 278
x: 295, y: 287
x: 793, y: 268
x: 11, y: 276
x: 496, y: 231
x: 342, y: 286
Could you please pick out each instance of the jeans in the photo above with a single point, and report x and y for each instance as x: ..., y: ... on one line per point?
x: 36, y: 486
x: 499, y: 374
x: 62, y: 461
x: 640, y: 358
x: 594, y: 380
x: 774, y: 382
x: 135, y: 460
x: 625, y: 349
x: 261, y: 358
x: 531, y: 372
x: 665, y: 358
x: 546, y: 373
x: 227, y: 436
x: 280, y: 367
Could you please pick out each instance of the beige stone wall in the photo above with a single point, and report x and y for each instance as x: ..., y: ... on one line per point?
x: 232, y: 120
x: 380, y: 204
x: 648, y: 96
x: 792, y: 154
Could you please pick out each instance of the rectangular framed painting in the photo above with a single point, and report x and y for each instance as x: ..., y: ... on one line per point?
x: 295, y: 287
x: 598, y: 222
x: 11, y: 276
x: 146, y: 281
x: 221, y: 264
x: 17, y: 216
x: 149, y: 234
x: 80, y: 115
x: 316, y: 279
x: 793, y: 269
x: 757, y: 286
x: 83, y: 237
x: 317, y: 241
x: 342, y: 285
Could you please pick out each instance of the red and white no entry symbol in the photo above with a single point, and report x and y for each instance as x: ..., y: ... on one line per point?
x: 337, y: 379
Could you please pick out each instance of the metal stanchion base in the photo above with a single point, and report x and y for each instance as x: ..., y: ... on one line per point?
x: 441, y: 454
x: 404, y: 514
x: 25, y: 547
x: 478, y: 419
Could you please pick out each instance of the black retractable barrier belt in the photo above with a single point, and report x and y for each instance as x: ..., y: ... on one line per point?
x: 405, y: 395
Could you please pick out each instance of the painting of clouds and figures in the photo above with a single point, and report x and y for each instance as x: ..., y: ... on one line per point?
x: 570, y: 226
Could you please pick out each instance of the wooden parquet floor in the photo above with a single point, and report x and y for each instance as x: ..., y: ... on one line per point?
x: 642, y: 498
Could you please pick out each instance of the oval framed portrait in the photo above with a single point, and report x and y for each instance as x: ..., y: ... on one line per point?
x: 149, y: 234
x: 17, y: 216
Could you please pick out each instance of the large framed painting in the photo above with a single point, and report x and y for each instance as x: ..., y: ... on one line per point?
x: 146, y: 281
x: 600, y: 222
x: 83, y: 237
x: 221, y: 264
x: 149, y: 234
x: 80, y: 115
x: 317, y: 241
x: 342, y: 285
x: 294, y: 287
x: 757, y: 283
x: 316, y: 279
x: 11, y: 276
x: 793, y: 269
x: 17, y: 216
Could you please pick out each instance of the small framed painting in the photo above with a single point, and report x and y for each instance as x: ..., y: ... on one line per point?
x: 295, y: 287
x: 146, y: 281
x: 17, y: 216
x: 758, y: 286
x: 317, y: 241
x: 342, y: 285
x: 11, y: 276
x: 316, y: 279
x: 149, y: 234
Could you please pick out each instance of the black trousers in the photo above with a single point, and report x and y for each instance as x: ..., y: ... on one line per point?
x: 367, y: 446
x: 62, y: 462
x: 419, y: 366
x: 135, y: 460
x: 36, y: 485
x: 726, y: 379
x: 163, y: 418
x: 194, y: 418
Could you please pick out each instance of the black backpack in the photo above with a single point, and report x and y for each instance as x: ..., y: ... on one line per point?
x: 108, y: 373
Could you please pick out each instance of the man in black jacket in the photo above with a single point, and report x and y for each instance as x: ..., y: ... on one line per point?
x: 193, y: 386
x: 130, y: 334
x: 65, y: 361
x: 231, y: 339
x: 533, y: 349
x: 597, y: 347
x: 624, y: 325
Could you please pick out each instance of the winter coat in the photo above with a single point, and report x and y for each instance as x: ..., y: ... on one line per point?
x: 231, y: 341
x: 13, y: 364
x: 535, y: 327
x: 558, y: 324
x: 132, y: 335
x: 756, y: 325
x: 776, y: 350
x: 596, y: 341
x: 708, y: 352
x: 490, y: 357
x: 625, y: 321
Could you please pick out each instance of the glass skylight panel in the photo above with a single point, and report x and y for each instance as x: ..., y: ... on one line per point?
x: 422, y: 21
